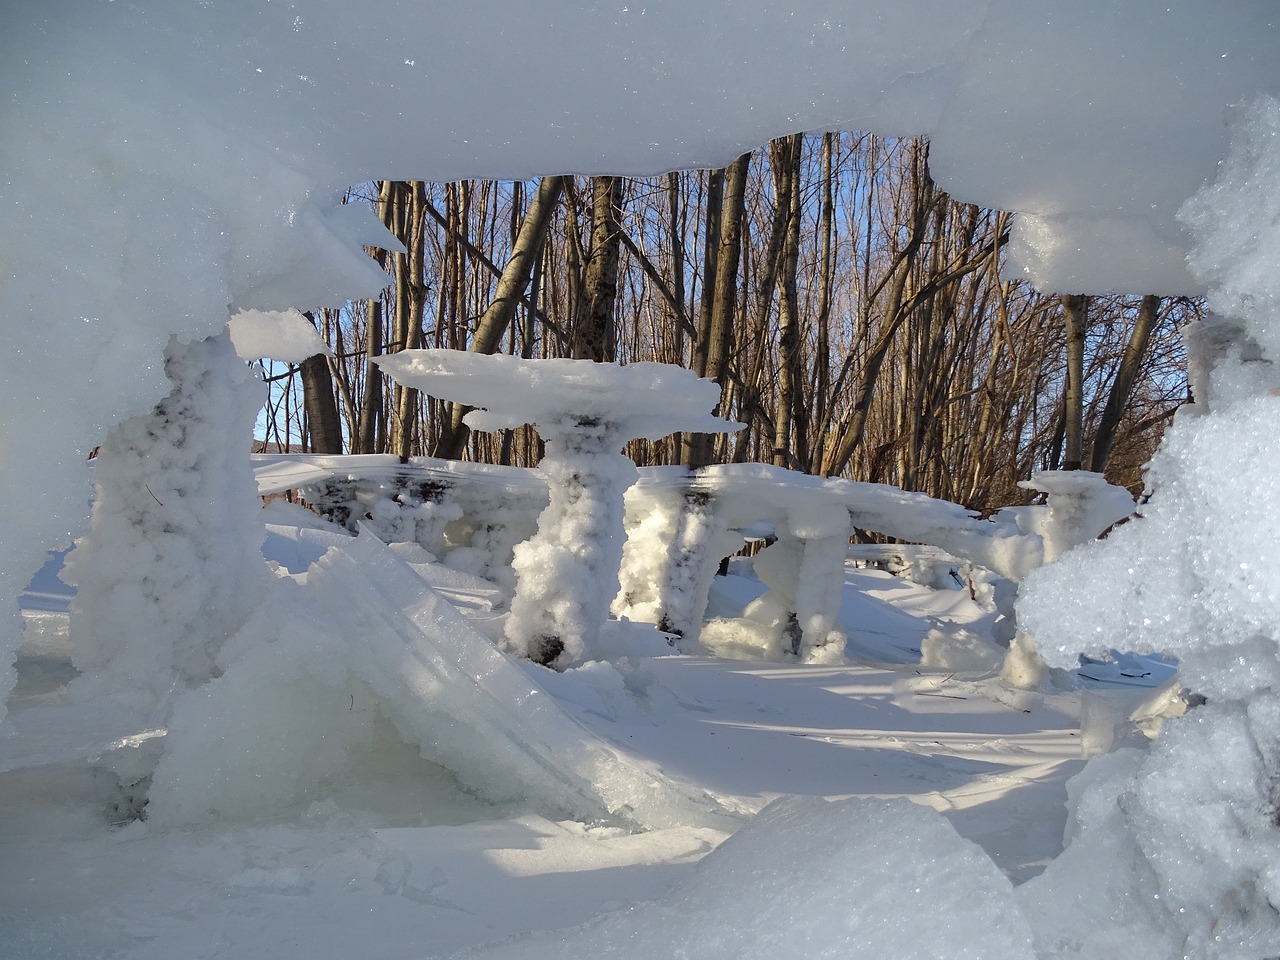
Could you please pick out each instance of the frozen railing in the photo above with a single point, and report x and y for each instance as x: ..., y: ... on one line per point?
x: 680, y: 524
x: 468, y: 515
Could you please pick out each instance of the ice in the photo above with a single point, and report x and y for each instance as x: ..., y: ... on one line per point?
x: 284, y: 335
x: 402, y: 652
x: 643, y: 399
x: 812, y: 879
x: 170, y: 568
x: 1192, y: 829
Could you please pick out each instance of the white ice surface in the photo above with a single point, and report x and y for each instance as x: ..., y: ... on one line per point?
x: 284, y: 335
x: 638, y: 400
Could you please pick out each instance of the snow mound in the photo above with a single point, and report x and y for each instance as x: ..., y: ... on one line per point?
x: 808, y: 879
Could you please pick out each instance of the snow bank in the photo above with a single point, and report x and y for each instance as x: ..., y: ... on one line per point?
x: 808, y: 879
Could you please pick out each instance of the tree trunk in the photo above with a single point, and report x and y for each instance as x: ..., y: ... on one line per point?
x: 511, y: 287
x: 370, y: 412
x: 787, y: 179
x: 1075, y: 313
x: 595, y: 337
x: 1118, y: 399
x: 699, y: 447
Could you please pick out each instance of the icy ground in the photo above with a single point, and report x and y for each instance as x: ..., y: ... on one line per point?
x: 402, y: 862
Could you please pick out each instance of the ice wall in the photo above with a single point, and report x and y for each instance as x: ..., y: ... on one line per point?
x: 1192, y: 828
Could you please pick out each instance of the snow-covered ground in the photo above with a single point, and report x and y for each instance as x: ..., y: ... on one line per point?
x: 400, y: 860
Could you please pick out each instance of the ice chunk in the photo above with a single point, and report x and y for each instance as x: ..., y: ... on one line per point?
x: 470, y: 709
x: 284, y: 335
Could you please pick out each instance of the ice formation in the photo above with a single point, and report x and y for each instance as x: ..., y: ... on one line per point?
x: 284, y: 335
x: 192, y: 157
x: 163, y: 161
x: 567, y: 573
x: 170, y: 570
x: 280, y: 726
x: 1193, y: 828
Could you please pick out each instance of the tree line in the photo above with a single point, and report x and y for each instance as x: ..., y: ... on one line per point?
x: 854, y: 315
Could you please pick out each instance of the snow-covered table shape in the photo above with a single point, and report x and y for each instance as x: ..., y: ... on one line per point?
x: 681, y: 525
x: 567, y: 574
x: 468, y: 515
x: 1080, y: 507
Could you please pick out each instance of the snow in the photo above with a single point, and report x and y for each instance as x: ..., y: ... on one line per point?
x: 192, y: 157
x: 822, y: 858
x: 165, y: 166
x: 308, y: 804
x: 643, y: 399
x: 284, y: 335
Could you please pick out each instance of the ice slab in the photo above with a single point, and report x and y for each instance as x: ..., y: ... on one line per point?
x: 470, y: 709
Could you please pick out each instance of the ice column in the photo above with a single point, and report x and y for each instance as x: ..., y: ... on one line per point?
x: 173, y: 565
x: 567, y: 573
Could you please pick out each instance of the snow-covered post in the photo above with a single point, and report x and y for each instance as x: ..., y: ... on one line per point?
x: 674, y: 544
x: 701, y: 535
x: 172, y: 566
x: 804, y: 571
x: 567, y: 574
x: 1081, y: 506
x: 824, y: 529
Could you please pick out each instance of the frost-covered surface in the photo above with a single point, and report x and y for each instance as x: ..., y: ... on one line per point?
x: 642, y: 399
x: 284, y: 335
x: 170, y: 569
x: 192, y: 156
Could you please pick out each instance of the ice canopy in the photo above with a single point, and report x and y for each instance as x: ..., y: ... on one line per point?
x: 166, y: 164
